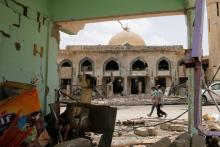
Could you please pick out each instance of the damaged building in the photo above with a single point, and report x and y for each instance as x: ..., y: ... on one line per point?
x: 29, y: 42
x: 126, y: 66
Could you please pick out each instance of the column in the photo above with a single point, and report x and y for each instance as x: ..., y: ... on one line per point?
x: 125, y: 86
x: 190, y: 15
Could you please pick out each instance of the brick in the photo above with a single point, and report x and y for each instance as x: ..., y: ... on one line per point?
x: 141, y: 132
x: 152, y: 131
x: 165, y: 126
x: 178, y: 128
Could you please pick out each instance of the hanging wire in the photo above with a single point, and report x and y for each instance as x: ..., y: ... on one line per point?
x: 124, y: 28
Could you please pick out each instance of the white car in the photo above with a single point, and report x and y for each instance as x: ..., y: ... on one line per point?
x: 215, y: 87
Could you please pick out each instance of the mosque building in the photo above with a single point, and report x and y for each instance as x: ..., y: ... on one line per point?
x: 126, y: 66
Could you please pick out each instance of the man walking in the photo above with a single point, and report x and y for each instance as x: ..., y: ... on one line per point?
x: 154, y: 100
x: 160, y: 112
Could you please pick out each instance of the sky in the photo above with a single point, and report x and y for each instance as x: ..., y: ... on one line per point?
x: 166, y: 30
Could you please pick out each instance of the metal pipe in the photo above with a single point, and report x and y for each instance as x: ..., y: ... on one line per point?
x: 196, y: 55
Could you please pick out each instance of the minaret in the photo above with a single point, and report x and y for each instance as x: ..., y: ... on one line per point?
x: 213, y: 13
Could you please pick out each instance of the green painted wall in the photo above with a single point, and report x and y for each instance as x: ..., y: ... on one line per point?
x: 87, y: 9
x: 37, y: 5
x: 21, y: 65
x: 34, y: 27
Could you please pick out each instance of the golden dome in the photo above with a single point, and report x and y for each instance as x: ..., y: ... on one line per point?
x: 125, y: 37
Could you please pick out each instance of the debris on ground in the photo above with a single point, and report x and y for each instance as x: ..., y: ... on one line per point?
x: 136, y: 101
x: 87, y: 124
x: 146, y: 131
x: 211, y: 122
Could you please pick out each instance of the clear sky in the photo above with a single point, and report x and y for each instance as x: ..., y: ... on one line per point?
x: 166, y: 30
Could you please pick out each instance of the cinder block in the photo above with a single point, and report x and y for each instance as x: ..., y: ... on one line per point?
x: 178, y: 128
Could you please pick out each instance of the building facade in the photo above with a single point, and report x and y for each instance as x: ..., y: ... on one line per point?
x: 213, y: 12
x: 124, y: 67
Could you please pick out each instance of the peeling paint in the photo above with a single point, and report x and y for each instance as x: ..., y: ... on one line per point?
x: 19, y: 32
x: 4, y: 34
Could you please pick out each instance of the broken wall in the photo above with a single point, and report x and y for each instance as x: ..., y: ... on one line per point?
x: 28, y: 48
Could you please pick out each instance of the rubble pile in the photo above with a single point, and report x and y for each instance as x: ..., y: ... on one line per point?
x: 211, y: 122
x: 143, y: 132
x: 137, y: 101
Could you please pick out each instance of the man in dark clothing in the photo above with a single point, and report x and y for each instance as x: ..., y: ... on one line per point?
x: 160, y: 112
x: 154, y: 100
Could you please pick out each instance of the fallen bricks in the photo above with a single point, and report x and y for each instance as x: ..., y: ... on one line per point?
x: 143, y: 121
x: 163, y: 135
x: 144, y: 131
x: 176, y: 127
x: 134, y: 132
x: 183, y: 140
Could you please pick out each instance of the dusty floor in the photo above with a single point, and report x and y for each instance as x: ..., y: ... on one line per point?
x: 124, y: 132
x: 131, y: 112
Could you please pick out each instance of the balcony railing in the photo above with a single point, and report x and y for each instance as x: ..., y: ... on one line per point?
x: 163, y: 73
x: 112, y: 73
x: 139, y: 73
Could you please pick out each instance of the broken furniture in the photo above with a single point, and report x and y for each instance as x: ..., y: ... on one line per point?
x: 81, y: 118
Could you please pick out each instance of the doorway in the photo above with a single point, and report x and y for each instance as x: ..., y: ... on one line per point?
x: 138, y: 85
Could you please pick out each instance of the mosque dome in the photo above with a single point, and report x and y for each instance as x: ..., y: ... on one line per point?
x: 127, y: 37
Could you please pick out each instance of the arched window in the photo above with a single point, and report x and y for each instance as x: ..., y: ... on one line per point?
x: 163, y: 65
x: 66, y: 63
x: 139, y: 65
x: 86, y: 65
x: 111, y: 65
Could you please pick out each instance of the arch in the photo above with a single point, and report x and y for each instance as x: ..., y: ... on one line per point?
x: 138, y: 64
x: 111, y: 64
x: 66, y: 63
x: 87, y: 64
x: 163, y: 64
